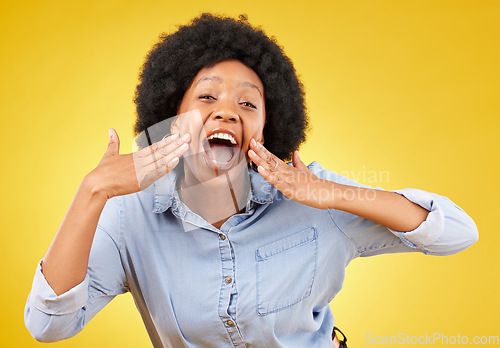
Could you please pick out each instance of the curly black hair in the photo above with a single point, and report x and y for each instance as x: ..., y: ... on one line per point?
x: 175, y: 60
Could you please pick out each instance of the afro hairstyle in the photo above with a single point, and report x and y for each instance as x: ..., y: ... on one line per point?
x: 176, y: 59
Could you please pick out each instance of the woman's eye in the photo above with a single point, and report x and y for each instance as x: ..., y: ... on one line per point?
x: 206, y: 96
x: 250, y: 105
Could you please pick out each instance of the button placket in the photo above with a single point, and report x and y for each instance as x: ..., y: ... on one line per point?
x: 226, y: 308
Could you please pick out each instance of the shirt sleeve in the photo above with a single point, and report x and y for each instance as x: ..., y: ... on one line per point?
x: 446, y: 230
x: 49, y: 317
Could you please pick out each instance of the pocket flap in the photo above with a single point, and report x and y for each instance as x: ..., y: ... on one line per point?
x: 285, y: 244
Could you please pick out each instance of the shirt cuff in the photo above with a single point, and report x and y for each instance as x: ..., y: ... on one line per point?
x: 45, y: 299
x: 430, y: 229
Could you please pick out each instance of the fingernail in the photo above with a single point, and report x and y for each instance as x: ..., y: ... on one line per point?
x: 262, y: 170
x: 186, y: 137
x: 253, y: 142
x: 168, y: 139
x: 251, y: 153
x: 184, y: 147
x: 110, y: 133
x: 173, y: 163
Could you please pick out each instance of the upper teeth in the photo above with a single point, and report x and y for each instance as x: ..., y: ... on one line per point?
x: 224, y: 136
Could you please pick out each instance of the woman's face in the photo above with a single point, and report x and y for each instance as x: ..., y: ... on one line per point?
x: 230, y: 99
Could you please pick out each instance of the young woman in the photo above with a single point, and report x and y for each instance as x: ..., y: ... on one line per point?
x: 222, y: 243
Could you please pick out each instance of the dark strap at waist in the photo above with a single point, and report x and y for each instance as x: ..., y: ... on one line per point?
x: 343, y: 341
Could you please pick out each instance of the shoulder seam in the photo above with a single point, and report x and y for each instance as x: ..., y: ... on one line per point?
x: 359, y: 250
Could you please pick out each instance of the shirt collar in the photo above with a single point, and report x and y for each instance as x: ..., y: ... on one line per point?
x: 166, y: 196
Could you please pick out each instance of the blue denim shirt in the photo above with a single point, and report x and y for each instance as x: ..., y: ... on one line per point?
x: 265, y: 279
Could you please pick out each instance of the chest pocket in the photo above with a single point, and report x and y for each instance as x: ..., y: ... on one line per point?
x: 285, y: 271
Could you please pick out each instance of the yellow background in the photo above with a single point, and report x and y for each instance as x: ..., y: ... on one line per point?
x: 408, y: 88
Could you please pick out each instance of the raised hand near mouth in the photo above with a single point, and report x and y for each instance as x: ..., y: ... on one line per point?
x: 66, y: 262
x: 296, y: 182
x: 117, y: 174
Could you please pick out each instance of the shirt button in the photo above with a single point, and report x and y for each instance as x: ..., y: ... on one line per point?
x: 229, y: 280
x: 222, y: 236
x: 230, y: 323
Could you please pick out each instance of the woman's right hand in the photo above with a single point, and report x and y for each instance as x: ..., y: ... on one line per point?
x: 117, y: 175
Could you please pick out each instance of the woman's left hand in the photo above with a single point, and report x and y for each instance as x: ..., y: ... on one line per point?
x: 297, y: 182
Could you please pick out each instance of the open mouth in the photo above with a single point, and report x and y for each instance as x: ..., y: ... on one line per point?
x: 220, y: 150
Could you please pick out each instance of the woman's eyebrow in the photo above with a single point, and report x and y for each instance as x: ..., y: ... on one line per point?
x: 249, y: 84
x: 210, y: 78
x: 219, y: 80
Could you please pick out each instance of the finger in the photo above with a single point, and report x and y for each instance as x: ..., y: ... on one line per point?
x: 259, y: 149
x: 156, y: 173
x: 173, y: 145
x: 167, y: 140
x: 176, y: 153
x: 152, y: 177
x: 270, y: 164
x: 255, y: 158
x: 114, y: 144
x: 297, y: 162
x: 265, y: 174
x: 162, y: 149
x: 263, y: 157
x: 158, y: 145
x: 274, y: 178
x: 145, y: 166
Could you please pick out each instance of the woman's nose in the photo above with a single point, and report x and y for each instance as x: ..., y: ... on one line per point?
x: 226, y: 114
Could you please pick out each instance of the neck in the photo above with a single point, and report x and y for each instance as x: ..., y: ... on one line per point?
x: 217, y: 199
